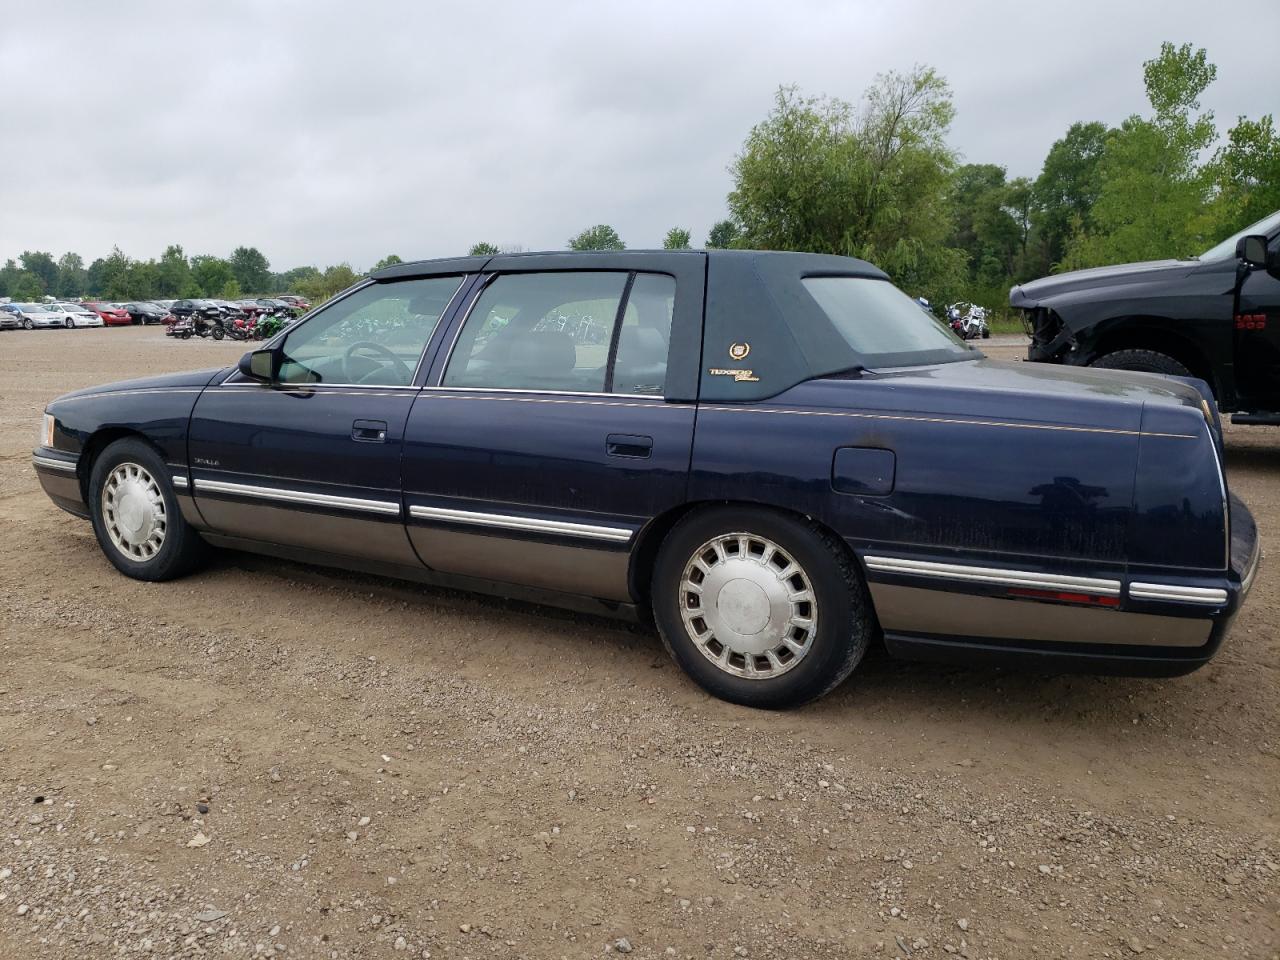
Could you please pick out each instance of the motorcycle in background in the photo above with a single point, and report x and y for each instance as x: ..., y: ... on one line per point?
x: 968, y: 320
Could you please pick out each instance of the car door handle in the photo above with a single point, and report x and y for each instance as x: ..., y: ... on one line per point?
x: 371, y: 431
x: 626, y: 445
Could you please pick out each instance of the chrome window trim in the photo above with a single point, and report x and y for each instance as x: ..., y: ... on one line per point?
x: 1226, y: 500
x: 53, y: 463
x: 586, y: 531
x: 993, y: 575
x: 656, y: 397
x: 384, y: 507
x: 1211, y: 596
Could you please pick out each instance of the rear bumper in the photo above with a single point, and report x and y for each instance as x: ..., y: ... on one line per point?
x: 1135, y: 623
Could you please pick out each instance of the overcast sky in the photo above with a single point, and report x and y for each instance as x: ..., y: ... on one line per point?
x: 323, y: 132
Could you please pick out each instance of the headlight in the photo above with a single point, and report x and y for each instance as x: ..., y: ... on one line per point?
x: 46, y: 431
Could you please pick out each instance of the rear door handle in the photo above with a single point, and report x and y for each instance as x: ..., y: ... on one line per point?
x: 627, y: 445
x: 370, y: 431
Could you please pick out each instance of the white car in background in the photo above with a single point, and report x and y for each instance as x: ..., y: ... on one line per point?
x: 32, y: 315
x: 75, y: 315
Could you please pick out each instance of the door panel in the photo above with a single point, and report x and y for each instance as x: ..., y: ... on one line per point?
x: 283, y: 466
x: 313, y: 459
x: 550, y: 443
x: 524, y: 488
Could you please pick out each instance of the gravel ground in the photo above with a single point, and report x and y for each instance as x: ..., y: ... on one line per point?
x: 268, y: 759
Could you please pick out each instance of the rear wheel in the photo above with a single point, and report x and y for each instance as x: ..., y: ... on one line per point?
x: 136, y: 517
x: 1142, y: 361
x: 759, y: 608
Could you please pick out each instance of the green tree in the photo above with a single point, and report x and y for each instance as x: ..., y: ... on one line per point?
x: 115, y: 275
x: 286, y: 282
x: 1154, y: 189
x: 483, y: 249
x: 251, y: 269
x: 72, y: 277
x: 93, y: 278
x: 174, y: 274
x: 600, y: 237
x: 815, y: 175
x: 677, y: 238
x: 211, y: 274
x: 231, y: 290
x: 322, y: 286
x: 390, y: 260
x: 43, y: 266
x: 723, y: 235
x: 1067, y: 188
x: 26, y: 286
x: 1246, y: 175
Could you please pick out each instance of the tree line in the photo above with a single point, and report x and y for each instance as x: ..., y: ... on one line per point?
x: 876, y: 180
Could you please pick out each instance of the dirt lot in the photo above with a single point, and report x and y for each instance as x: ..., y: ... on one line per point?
x: 268, y: 759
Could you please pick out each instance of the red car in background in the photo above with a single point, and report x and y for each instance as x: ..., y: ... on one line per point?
x: 112, y: 314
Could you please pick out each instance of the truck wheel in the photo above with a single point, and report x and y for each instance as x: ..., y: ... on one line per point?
x: 1144, y: 361
x: 759, y: 608
x: 136, y: 517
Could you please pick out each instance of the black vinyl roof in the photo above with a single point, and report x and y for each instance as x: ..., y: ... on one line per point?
x: 804, y: 264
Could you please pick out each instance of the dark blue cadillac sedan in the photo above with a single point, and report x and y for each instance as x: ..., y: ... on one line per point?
x: 778, y: 457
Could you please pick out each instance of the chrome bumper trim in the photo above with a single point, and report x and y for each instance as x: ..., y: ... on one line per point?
x: 993, y: 575
x: 385, y: 507
x: 525, y: 524
x: 50, y: 463
x: 1211, y: 596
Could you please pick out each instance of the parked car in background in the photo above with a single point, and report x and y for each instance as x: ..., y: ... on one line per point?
x: 250, y: 307
x: 1215, y: 317
x: 166, y: 304
x: 112, y: 314
x: 75, y: 315
x: 33, y: 315
x: 10, y: 318
x: 145, y: 312
x: 777, y: 456
x: 295, y: 301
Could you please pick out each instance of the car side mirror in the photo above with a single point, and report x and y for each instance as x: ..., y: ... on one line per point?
x: 1253, y: 251
x: 260, y: 365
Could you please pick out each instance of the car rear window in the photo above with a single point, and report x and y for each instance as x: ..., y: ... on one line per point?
x: 884, y: 326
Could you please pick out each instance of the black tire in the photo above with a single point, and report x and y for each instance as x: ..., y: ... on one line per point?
x: 182, y: 548
x: 1142, y: 361
x: 845, y: 621
x: 218, y: 332
x: 27, y: 324
x: 68, y: 323
x: 986, y: 333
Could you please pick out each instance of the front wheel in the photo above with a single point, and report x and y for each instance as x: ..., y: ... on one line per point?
x: 1143, y: 361
x: 759, y: 608
x: 136, y: 517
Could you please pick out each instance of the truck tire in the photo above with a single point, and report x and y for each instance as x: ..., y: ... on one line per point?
x: 760, y: 608
x: 1143, y: 361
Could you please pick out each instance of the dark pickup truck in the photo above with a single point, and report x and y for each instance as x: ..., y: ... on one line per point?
x: 1215, y: 317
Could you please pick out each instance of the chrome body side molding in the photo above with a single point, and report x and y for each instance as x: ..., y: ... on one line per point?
x: 385, y: 507
x: 564, y: 528
x: 1211, y: 596
x: 995, y: 576
x: 53, y: 463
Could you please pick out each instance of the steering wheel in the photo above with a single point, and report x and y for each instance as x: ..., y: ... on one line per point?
x: 378, y: 348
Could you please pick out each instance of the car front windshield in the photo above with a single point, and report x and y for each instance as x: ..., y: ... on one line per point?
x: 1266, y: 227
x: 884, y: 326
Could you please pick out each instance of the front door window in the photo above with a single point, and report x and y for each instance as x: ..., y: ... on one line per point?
x: 375, y: 336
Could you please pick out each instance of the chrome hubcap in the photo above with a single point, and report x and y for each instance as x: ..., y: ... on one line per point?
x: 748, y: 606
x: 133, y: 511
